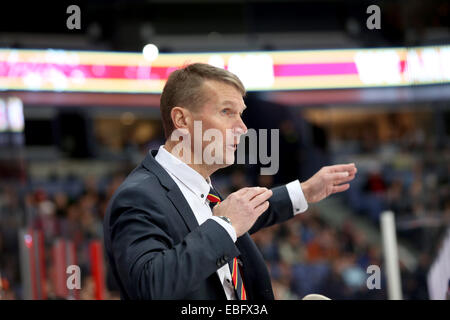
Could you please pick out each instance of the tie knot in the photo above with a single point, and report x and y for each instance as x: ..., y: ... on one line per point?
x: 213, y: 197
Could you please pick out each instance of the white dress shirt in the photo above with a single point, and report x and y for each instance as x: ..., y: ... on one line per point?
x: 195, y: 188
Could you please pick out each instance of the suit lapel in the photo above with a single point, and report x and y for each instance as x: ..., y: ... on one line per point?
x: 255, y: 274
x: 242, y: 245
x: 174, y: 193
x: 178, y: 200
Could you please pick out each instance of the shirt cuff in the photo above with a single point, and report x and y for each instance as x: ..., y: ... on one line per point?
x: 228, y: 227
x: 297, y: 197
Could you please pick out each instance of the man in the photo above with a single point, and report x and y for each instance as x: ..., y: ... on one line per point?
x: 168, y: 234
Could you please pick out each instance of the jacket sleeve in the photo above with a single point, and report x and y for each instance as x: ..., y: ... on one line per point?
x: 149, y: 263
x: 280, y: 209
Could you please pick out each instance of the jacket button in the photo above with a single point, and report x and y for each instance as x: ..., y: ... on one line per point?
x: 225, y: 258
x: 219, y: 262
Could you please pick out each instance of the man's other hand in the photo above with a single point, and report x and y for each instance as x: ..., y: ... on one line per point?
x: 328, y: 180
x: 243, y: 207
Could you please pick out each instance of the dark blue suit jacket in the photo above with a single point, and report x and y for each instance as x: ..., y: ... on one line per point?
x: 157, y: 250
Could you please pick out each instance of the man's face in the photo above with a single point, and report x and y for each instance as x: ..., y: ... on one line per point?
x: 223, y: 113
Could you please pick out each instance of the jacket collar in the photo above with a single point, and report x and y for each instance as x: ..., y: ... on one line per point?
x: 189, y: 177
x: 153, y: 166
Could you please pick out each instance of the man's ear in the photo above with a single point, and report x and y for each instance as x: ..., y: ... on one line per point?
x: 181, y: 117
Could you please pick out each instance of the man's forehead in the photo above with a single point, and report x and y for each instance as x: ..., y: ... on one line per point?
x: 223, y: 94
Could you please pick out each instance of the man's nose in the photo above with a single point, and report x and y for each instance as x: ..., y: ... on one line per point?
x: 240, y: 128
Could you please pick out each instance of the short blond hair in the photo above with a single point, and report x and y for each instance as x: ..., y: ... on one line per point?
x: 184, y: 87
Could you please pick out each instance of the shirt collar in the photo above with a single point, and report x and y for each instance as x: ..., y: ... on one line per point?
x: 180, y: 170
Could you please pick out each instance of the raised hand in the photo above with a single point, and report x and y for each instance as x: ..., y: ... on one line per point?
x: 328, y: 180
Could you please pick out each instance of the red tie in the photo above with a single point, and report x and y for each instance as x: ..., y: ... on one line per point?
x: 235, y: 264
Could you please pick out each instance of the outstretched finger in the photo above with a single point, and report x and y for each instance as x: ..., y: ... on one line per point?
x: 340, y: 188
x: 341, y: 177
x: 350, y: 168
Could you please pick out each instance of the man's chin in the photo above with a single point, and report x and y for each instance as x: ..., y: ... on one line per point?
x: 226, y: 164
x: 222, y: 165
x: 229, y: 158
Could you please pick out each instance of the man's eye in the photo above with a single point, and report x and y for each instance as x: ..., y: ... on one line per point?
x: 225, y: 111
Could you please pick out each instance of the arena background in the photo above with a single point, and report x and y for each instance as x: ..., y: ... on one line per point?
x: 79, y: 108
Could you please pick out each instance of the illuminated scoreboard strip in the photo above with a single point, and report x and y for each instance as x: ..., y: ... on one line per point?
x: 87, y: 71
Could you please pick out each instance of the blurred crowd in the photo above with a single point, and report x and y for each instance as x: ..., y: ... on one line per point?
x: 408, y: 175
x: 70, y: 209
